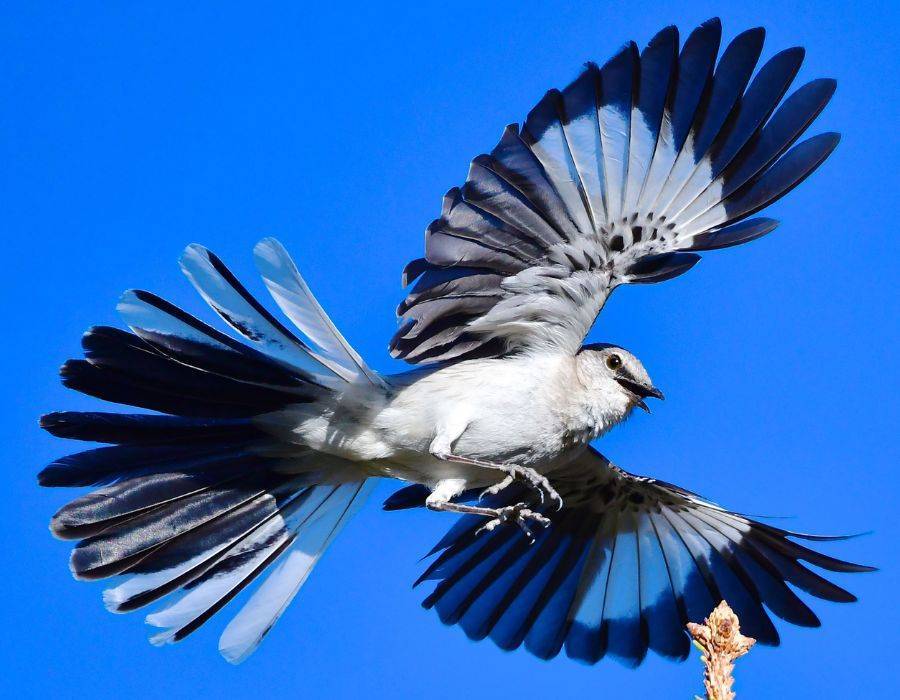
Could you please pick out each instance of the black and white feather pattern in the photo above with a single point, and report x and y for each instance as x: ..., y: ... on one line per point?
x: 197, y: 503
x: 623, y: 567
x: 617, y: 179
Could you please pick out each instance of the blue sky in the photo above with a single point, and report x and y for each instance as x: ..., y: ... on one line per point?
x: 129, y: 132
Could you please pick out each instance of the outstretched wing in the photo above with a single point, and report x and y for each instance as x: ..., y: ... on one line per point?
x: 614, y: 180
x: 623, y: 567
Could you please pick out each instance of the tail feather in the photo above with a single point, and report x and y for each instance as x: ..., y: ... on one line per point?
x: 305, y: 526
x: 204, y: 498
x: 296, y: 300
x: 142, y: 429
x: 246, y: 630
x: 185, y: 560
x: 237, y: 307
x: 180, y: 477
x: 221, y: 583
x: 178, y: 334
x: 106, y: 465
x: 137, y: 535
x: 122, y: 368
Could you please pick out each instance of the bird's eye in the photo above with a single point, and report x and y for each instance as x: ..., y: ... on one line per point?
x: 614, y: 362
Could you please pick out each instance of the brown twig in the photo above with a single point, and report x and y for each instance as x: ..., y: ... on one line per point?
x: 721, y: 642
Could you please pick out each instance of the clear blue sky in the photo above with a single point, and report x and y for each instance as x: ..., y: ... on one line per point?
x: 128, y: 132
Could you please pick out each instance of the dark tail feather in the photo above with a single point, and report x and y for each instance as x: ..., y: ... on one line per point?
x: 123, y: 368
x: 142, y: 429
x: 200, y: 498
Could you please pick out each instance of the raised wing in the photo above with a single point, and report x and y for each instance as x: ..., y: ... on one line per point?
x: 610, y: 181
x: 623, y: 567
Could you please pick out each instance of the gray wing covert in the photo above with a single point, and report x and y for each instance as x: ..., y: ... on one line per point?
x: 616, y: 179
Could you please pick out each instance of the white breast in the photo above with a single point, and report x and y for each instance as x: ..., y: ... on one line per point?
x: 532, y: 410
x: 508, y: 409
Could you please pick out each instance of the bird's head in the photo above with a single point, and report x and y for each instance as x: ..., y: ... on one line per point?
x: 618, y: 376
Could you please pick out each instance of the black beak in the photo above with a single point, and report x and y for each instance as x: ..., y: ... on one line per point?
x: 640, y: 391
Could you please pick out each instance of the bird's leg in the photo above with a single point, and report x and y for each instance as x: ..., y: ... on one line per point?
x: 519, y: 514
x: 537, y: 481
x: 442, y: 447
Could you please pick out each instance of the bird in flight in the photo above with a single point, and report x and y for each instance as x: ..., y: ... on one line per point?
x: 252, y: 450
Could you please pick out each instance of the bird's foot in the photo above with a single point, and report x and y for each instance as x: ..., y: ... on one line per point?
x: 537, y: 481
x: 518, y: 514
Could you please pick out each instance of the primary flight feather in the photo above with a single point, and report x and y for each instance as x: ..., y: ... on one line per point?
x: 260, y: 449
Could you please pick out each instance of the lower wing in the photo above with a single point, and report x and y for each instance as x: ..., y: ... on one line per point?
x: 625, y: 565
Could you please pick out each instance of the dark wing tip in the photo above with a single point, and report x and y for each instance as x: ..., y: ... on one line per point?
x: 413, y: 270
x: 71, y: 368
x: 50, y: 420
x: 833, y: 135
x: 59, y: 423
x: 799, y: 51
x: 47, y: 477
x: 758, y: 34
x: 829, y: 538
x: 736, y: 234
x: 659, y: 268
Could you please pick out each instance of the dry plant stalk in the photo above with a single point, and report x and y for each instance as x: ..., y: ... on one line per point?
x: 721, y: 642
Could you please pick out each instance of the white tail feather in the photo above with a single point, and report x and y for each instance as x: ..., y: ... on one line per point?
x: 246, y: 630
x: 296, y: 300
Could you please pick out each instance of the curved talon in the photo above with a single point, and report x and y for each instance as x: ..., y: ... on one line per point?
x: 559, y: 501
x: 496, y: 488
x: 542, y: 485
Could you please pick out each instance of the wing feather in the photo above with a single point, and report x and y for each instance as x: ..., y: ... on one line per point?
x: 657, y: 74
x: 609, y: 180
x: 621, y: 570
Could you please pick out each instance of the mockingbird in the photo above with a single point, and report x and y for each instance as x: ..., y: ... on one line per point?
x: 259, y: 451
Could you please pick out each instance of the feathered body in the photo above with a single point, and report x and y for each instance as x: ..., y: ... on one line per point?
x: 259, y: 450
x: 390, y: 431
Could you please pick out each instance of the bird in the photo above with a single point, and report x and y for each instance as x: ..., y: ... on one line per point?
x: 245, y: 452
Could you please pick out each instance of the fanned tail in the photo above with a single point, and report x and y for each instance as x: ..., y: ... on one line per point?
x: 199, y: 498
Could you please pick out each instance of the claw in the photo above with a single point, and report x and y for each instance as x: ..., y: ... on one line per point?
x: 536, y: 481
x: 559, y: 501
x: 542, y: 485
x: 518, y: 514
x: 496, y: 488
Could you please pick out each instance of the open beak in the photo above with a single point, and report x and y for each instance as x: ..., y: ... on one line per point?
x: 641, y: 391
